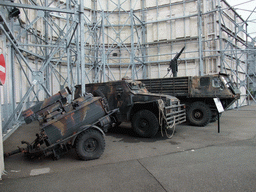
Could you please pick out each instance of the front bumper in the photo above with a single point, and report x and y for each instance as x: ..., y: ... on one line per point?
x: 175, y: 114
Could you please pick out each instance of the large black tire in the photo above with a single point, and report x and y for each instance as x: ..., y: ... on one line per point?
x: 90, y: 144
x: 199, y: 114
x: 145, y: 123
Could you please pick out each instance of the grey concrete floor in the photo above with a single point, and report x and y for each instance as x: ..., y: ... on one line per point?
x: 195, y: 159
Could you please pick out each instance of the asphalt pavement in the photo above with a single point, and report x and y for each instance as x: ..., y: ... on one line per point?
x: 195, y: 159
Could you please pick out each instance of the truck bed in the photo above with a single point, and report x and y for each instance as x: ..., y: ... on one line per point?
x: 178, y: 86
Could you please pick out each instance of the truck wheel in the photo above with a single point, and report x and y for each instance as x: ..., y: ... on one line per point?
x: 90, y: 144
x: 145, y: 123
x: 199, y: 114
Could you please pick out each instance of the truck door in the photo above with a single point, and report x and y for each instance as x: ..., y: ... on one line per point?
x: 121, y: 102
x: 119, y: 96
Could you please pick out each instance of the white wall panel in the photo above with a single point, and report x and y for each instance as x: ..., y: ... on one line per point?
x: 112, y: 5
x: 88, y: 3
x: 163, y: 2
x: 179, y: 28
x: 154, y: 71
x: 187, y: 27
x: 191, y: 8
x: 125, y: 4
x: 151, y: 3
x: 150, y: 33
x: 159, y: 31
x: 136, y: 4
x: 163, y: 13
x: 102, y: 5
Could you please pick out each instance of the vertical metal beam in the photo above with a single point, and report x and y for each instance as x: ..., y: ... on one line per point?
x: 132, y: 54
x: 47, y: 69
x: 95, y: 48
x: 69, y: 69
x: 247, y: 66
x: 144, y: 69
x: 103, y: 47
x: 82, y: 59
x: 78, y: 59
x: 200, y: 39
x: 158, y: 35
x: 12, y: 79
x: 236, y: 56
x: 220, y: 38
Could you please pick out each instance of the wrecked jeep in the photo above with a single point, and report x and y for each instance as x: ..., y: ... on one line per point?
x: 147, y: 112
x: 79, y: 124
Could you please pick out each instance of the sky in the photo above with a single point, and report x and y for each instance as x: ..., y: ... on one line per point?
x: 246, y: 8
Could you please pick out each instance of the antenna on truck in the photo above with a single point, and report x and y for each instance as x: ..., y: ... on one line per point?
x: 174, y: 64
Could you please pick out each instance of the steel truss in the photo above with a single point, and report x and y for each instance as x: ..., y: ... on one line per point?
x: 40, y: 49
x: 69, y: 42
x: 53, y: 54
x: 234, y: 51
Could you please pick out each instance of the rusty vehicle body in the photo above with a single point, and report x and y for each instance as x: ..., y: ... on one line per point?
x: 148, y: 112
x: 63, y: 125
x: 197, y: 92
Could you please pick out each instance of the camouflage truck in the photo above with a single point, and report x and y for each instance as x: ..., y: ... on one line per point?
x: 64, y: 125
x: 197, y: 92
x: 147, y: 112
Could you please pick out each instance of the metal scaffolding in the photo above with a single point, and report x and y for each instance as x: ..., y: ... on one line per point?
x: 40, y: 50
x: 56, y: 43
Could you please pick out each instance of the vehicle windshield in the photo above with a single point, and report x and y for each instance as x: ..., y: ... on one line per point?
x: 216, y: 82
x: 136, y: 85
x: 232, y: 86
x: 225, y: 80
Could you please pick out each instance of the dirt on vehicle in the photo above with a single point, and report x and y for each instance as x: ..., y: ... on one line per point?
x: 148, y: 112
x: 64, y: 125
x: 197, y: 92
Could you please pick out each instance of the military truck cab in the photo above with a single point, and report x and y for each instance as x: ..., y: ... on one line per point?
x: 201, y: 108
x: 148, y: 112
x: 218, y: 85
x: 197, y: 92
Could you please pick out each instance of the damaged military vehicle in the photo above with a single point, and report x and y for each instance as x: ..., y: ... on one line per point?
x: 148, y: 112
x: 79, y: 124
